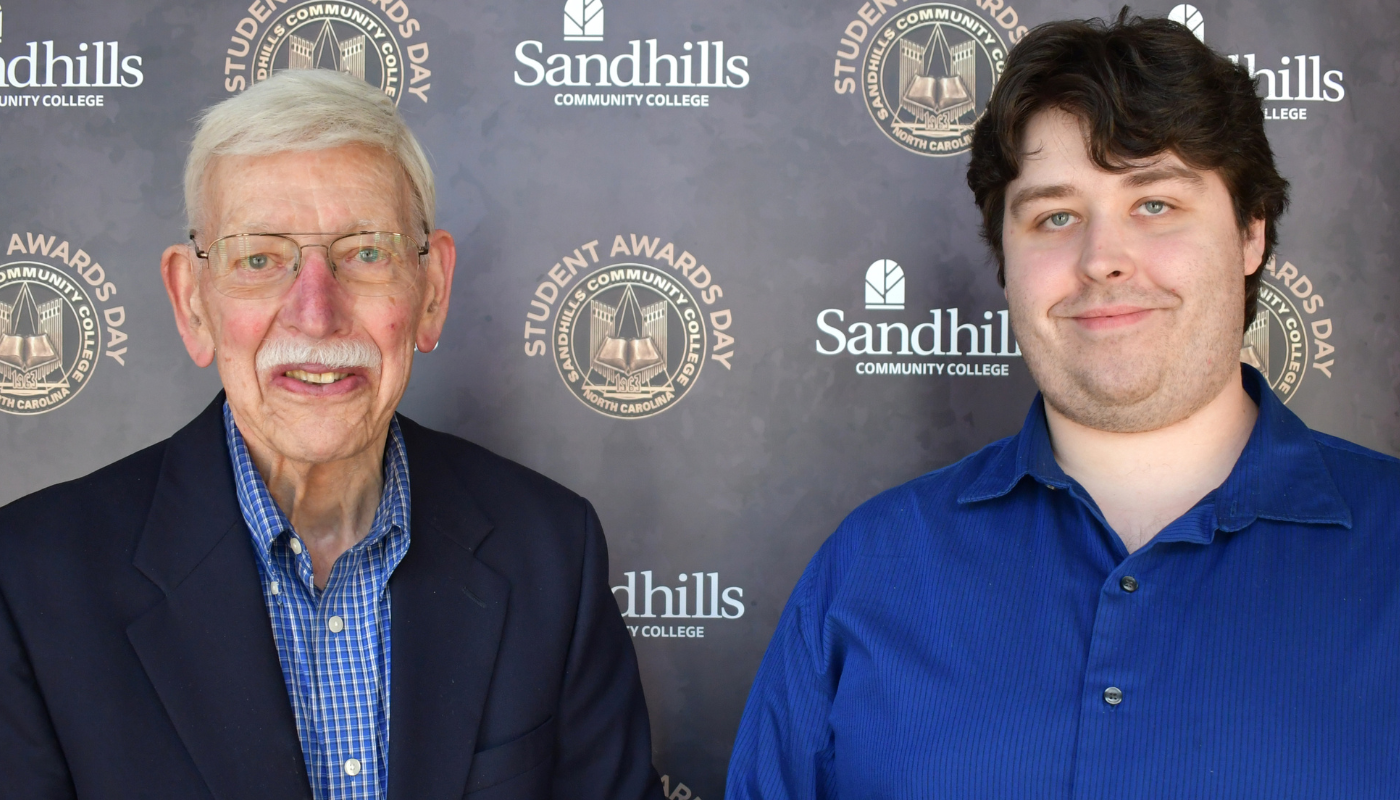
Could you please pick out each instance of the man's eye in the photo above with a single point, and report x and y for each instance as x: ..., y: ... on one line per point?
x: 369, y: 255
x: 1059, y: 219
x: 1154, y: 207
x: 255, y: 262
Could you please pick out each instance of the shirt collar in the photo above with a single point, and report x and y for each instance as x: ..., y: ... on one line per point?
x: 1280, y: 475
x: 265, y: 518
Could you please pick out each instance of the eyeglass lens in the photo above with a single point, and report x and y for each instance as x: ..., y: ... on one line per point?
x: 257, y: 265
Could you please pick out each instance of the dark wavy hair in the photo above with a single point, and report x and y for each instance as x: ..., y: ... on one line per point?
x: 1142, y: 87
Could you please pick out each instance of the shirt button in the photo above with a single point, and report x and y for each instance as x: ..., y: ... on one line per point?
x: 296, y: 545
x: 1113, y: 695
x: 336, y: 624
x: 352, y: 765
x: 1129, y: 583
x: 275, y: 588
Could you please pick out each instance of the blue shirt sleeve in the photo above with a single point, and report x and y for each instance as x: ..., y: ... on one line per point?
x: 785, y: 745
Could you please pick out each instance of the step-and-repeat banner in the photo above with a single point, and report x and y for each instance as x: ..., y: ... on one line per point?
x: 742, y: 182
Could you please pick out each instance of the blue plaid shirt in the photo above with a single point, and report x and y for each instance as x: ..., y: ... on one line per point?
x: 333, y: 643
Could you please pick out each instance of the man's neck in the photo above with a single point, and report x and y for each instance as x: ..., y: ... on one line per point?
x: 1143, y: 481
x: 330, y: 505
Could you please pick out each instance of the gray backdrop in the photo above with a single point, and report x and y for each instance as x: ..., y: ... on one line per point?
x: 781, y: 181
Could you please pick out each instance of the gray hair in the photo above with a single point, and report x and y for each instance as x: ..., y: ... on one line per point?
x: 301, y: 110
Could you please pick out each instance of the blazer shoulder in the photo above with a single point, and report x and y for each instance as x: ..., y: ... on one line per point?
x: 118, y: 493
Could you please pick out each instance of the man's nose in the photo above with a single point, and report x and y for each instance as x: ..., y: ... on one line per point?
x: 1107, y: 255
x: 316, y: 303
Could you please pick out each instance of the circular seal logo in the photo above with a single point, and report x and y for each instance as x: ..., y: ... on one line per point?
x: 1291, y: 335
x: 927, y: 75
x: 630, y: 341
x: 50, y: 337
x: 341, y: 36
x: 632, y: 325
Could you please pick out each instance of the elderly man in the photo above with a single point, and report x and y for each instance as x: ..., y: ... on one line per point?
x: 1165, y: 585
x: 300, y: 593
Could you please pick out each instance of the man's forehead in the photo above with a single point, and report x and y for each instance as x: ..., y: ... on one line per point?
x: 1056, y: 139
x: 352, y: 188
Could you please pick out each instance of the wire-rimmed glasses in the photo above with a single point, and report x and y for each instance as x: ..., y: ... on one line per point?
x: 262, y: 265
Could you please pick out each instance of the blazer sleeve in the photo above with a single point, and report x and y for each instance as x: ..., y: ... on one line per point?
x: 604, y: 740
x: 31, y: 760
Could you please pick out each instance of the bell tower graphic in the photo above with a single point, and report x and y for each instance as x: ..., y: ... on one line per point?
x: 326, y: 51
x: 31, y: 344
x: 627, y: 347
x: 937, y: 83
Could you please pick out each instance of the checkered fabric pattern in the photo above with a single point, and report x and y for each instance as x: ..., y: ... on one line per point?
x: 333, y: 643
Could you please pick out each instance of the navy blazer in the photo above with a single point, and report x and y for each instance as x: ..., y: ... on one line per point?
x: 137, y: 658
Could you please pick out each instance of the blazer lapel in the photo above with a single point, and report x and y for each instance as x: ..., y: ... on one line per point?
x: 448, y: 611
x: 208, y: 647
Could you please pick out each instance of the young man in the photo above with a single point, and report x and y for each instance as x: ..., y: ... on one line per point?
x: 1165, y: 585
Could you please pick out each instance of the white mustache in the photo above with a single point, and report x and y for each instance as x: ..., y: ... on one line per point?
x: 334, y: 354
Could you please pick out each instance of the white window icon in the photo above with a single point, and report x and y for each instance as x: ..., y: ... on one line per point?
x: 583, y: 20
x: 884, y: 285
x: 1189, y: 16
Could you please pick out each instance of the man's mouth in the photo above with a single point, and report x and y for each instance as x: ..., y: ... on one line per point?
x: 319, y: 378
x: 1107, y: 318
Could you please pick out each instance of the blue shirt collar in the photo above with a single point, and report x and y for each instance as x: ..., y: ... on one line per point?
x: 1279, y: 476
x: 265, y: 518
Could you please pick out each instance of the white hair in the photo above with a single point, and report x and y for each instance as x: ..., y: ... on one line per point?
x: 332, y: 353
x: 308, y: 109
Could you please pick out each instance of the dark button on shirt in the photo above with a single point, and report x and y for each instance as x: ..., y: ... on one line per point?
x: 963, y: 636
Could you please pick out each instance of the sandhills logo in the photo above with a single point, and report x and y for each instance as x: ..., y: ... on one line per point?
x: 630, y: 333
x: 583, y: 21
x: 927, y: 70
x: 694, y: 69
x: 374, y: 42
x: 1297, y: 78
x: 887, y: 345
x: 61, y: 65
x: 51, y: 332
x: 1190, y: 17
x: 1288, y: 338
x: 884, y: 286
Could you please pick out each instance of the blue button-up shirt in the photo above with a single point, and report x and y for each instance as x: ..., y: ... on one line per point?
x: 981, y: 632
x: 333, y: 643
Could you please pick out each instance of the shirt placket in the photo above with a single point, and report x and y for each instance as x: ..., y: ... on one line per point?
x: 345, y: 672
x: 1114, y: 682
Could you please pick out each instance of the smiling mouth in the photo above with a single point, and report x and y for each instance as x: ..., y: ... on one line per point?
x: 318, y: 378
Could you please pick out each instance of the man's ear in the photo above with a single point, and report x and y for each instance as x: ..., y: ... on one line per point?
x: 442, y: 261
x: 177, y: 270
x: 1253, y: 242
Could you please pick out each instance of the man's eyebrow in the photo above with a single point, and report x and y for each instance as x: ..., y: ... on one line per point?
x: 1032, y: 193
x: 1170, y: 172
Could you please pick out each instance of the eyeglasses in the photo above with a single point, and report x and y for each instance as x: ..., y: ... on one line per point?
x: 262, y: 265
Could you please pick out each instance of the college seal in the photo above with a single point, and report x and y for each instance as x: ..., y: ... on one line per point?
x: 360, y: 40
x: 927, y: 72
x: 1288, y: 337
x: 50, y: 336
x: 630, y: 333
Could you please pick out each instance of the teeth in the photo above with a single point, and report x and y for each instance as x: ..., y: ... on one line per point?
x: 316, y: 377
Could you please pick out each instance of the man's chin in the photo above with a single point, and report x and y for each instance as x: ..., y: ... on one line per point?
x: 1117, y: 398
x: 1147, y: 402
x: 314, y: 429
x: 317, y: 444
